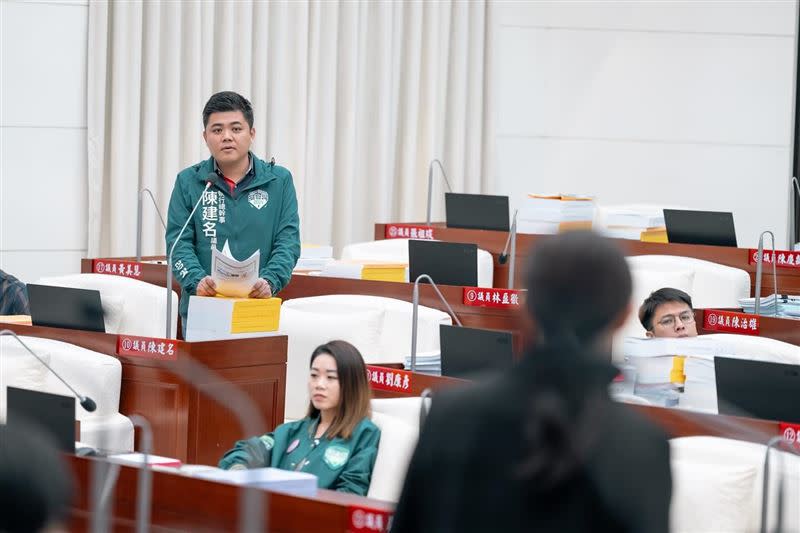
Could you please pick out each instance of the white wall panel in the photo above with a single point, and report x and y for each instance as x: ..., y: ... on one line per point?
x: 29, y: 266
x: 43, y: 190
x: 718, y: 16
x: 43, y: 64
x: 670, y: 87
x: 716, y: 178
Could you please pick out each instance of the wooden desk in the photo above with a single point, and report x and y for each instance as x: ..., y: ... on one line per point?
x: 189, y: 504
x: 494, y: 241
x: 187, y: 424
x: 675, y: 422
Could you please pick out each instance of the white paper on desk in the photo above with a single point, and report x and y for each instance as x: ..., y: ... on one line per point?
x: 234, y: 278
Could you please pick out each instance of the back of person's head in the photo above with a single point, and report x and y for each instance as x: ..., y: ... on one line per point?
x: 35, y: 485
x: 228, y: 101
x: 579, y: 287
x: 666, y: 295
x: 579, y: 290
x: 354, y: 390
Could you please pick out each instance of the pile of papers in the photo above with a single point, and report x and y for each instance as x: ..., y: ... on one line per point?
x: 368, y: 270
x: 427, y: 363
x: 636, y: 222
x: 554, y: 213
x: 784, y: 307
x: 300, y: 483
x: 234, y: 278
x: 314, y: 257
x: 655, y: 365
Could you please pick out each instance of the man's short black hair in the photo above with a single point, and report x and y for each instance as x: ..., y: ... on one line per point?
x: 656, y: 298
x: 228, y: 101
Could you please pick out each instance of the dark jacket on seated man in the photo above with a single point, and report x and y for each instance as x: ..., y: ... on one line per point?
x: 469, y: 472
x: 13, y: 296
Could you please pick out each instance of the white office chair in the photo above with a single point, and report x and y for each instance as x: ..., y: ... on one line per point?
x: 718, y: 485
x: 92, y: 374
x: 379, y: 327
x: 130, y: 306
x: 398, y: 440
x: 396, y: 251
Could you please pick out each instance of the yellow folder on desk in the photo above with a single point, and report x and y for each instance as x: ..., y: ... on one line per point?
x: 251, y: 315
x: 384, y: 272
x: 655, y: 235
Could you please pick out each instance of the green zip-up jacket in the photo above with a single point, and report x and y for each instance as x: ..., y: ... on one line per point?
x: 340, y: 464
x: 261, y: 216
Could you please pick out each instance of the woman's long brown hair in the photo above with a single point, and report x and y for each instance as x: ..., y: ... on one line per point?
x: 354, y: 391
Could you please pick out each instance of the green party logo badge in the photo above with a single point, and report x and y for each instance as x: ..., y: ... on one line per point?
x: 336, y: 456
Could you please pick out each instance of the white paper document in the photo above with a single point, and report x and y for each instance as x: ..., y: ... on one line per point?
x: 234, y: 278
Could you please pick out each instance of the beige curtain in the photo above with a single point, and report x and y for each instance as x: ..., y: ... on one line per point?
x: 355, y: 98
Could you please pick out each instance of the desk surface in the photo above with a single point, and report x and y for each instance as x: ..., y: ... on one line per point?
x: 494, y: 242
x: 189, y: 504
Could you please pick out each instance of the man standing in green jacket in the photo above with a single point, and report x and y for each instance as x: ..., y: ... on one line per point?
x: 251, y: 204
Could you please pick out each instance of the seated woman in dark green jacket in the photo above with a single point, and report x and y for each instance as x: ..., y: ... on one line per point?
x: 336, y: 441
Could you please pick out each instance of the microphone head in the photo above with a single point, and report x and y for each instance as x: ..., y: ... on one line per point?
x: 210, y: 178
x: 88, y: 404
x: 502, y: 259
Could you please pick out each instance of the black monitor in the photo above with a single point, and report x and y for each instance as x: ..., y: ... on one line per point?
x: 53, y: 413
x: 447, y: 263
x: 468, y: 352
x: 476, y: 211
x: 758, y: 389
x: 700, y: 227
x: 66, y: 307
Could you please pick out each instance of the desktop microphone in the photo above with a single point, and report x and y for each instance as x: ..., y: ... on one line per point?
x: 773, y: 442
x: 415, y: 313
x: 512, y: 241
x: 430, y: 185
x: 760, y: 271
x: 139, y: 221
x: 209, y: 180
x: 86, y: 402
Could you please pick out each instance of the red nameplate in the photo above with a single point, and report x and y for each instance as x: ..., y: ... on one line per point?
x: 791, y: 433
x: 148, y: 347
x: 783, y: 258
x: 382, y: 378
x: 408, y: 231
x: 129, y: 269
x: 730, y: 322
x: 368, y: 519
x: 482, y: 297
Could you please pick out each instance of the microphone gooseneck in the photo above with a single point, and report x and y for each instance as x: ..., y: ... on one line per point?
x: 415, y: 314
x: 86, y: 402
x: 168, y: 332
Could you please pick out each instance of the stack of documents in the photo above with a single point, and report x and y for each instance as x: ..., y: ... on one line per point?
x: 137, y: 459
x: 314, y: 257
x: 275, y: 479
x: 216, y: 318
x: 654, y: 362
x: 784, y: 307
x: 369, y: 270
x: 554, y: 213
x: 700, y: 389
x: 234, y: 278
x: 636, y: 222
x: 427, y: 363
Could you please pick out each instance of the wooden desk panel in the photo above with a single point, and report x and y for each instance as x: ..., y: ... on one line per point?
x: 494, y: 241
x: 189, y: 504
x: 186, y: 423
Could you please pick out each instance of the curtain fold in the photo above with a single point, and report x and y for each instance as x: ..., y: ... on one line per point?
x: 355, y: 98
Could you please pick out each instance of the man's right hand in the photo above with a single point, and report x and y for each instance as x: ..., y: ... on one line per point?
x: 206, y: 287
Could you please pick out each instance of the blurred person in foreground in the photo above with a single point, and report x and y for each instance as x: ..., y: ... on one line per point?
x: 543, y: 447
x: 35, y: 484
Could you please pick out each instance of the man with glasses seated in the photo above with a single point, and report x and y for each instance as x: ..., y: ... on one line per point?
x: 668, y: 312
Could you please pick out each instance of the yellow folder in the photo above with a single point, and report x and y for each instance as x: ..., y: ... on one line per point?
x: 252, y: 315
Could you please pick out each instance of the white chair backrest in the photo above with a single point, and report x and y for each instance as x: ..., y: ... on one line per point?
x: 396, y: 251
x: 406, y: 409
x: 724, y: 478
x: 379, y: 327
x: 398, y: 440
x: 760, y: 348
x: 130, y: 306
